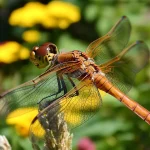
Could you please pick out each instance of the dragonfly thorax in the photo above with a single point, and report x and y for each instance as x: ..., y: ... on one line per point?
x: 86, y: 66
x: 42, y: 56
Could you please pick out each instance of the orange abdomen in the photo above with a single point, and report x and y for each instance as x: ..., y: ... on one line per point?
x: 103, y: 84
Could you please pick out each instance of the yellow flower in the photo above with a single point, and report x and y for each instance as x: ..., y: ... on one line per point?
x: 29, y: 15
x: 12, y: 51
x: 31, y: 36
x: 62, y: 14
x: 22, y: 123
x: 56, y: 14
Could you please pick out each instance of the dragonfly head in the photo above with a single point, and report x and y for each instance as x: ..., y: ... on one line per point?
x: 43, y: 55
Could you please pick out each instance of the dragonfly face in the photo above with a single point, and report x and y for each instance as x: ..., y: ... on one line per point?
x: 42, y: 56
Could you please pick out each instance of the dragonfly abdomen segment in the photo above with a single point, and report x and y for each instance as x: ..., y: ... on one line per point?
x: 132, y: 105
x: 103, y: 84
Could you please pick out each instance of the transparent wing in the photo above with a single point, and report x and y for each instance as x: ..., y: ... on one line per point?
x: 122, y: 69
x: 73, y: 109
x: 110, y: 45
x: 28, y: 95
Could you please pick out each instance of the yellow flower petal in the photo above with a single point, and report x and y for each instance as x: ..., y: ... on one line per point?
x: 31, y: 36
x: 64, y: 13
x: 63, y: 24
x: 55, y: 14
x: 22, y: 123
x: 12, y: 51
x: 29, y: 15
x: 18, y: 115
x: 60, y: 9
x: 24, y: 53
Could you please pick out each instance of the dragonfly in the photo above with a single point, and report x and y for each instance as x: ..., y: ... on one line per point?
x: 73, y: 80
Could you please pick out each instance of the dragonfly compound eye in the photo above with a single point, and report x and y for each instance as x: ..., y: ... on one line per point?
x: 42, y: 56
x: 52, y: 48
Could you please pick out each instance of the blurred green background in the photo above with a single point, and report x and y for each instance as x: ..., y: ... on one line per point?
x: 73, y: 24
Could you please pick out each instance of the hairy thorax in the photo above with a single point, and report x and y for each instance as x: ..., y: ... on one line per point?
x: 86, y: 66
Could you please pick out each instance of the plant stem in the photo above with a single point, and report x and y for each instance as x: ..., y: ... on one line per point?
x: 57, y: 134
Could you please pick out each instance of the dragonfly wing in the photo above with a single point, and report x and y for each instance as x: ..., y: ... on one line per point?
x: 110, y: 45
x: 30, y: 93
x: 122, y: 69
x: 74, y: 108
x: 28, y: 96
x: 65, y: 84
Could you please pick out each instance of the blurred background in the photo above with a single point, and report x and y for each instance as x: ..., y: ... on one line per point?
x: 73, y: 24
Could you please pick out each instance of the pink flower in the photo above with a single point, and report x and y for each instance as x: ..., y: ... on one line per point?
x: 86, y: 144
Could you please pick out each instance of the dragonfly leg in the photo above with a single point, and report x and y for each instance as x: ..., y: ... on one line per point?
x: 74, y: 86
x: 62, y: 90
x: 61, y: 87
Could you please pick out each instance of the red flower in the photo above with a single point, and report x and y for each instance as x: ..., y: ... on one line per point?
x: 86, y: 144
